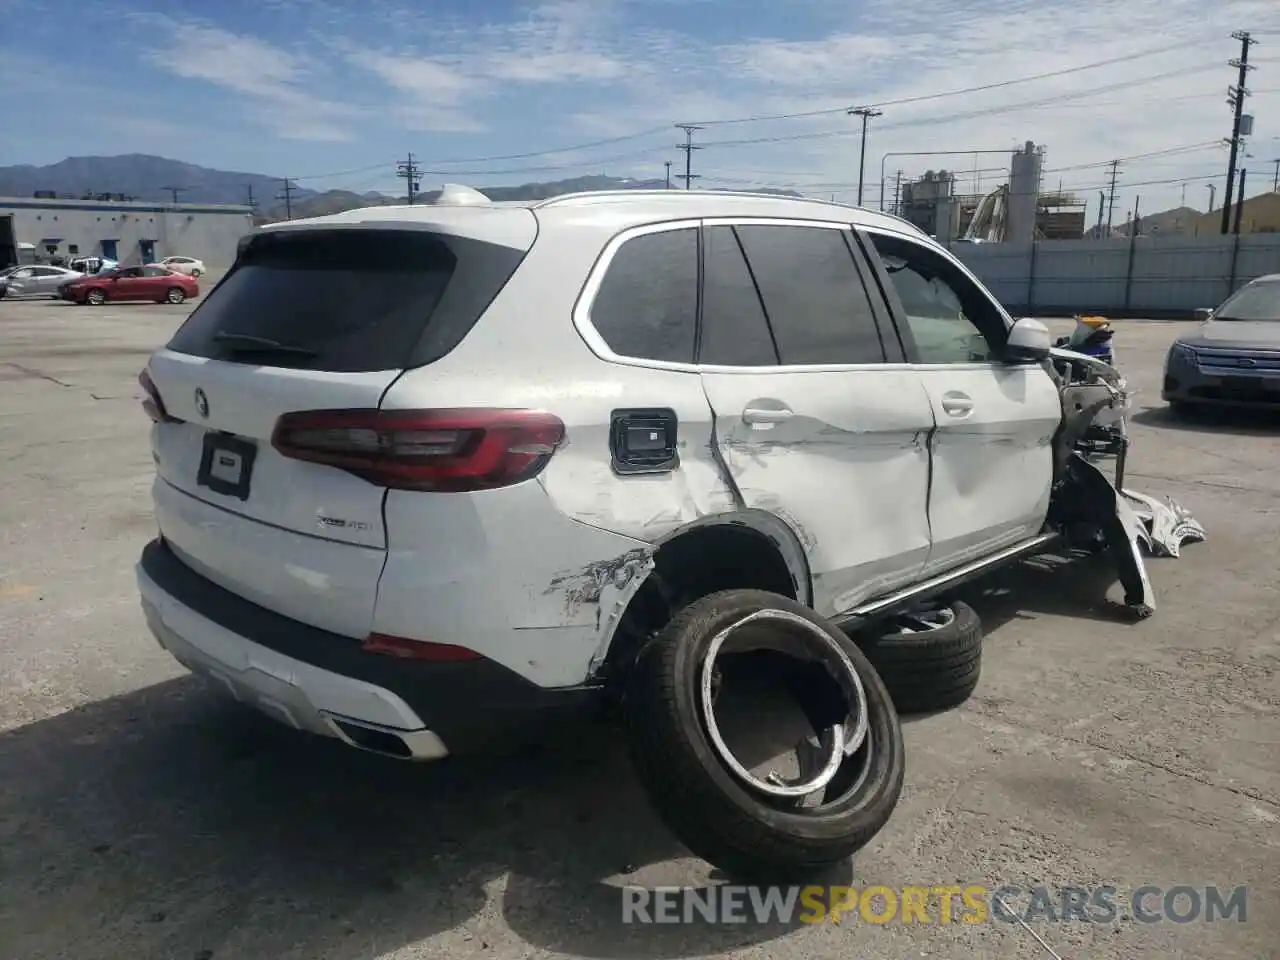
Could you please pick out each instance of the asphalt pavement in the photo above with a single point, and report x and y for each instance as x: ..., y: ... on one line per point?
x: 143, y: 816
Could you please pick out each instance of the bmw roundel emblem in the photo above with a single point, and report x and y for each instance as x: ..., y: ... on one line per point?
x: 202, y: 403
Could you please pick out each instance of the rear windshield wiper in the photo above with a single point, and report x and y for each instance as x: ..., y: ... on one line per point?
x: 247, y: 343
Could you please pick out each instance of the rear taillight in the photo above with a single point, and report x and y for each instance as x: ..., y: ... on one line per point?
x: 404, y: 648
x: 446, y: 451
x: 151, y: 401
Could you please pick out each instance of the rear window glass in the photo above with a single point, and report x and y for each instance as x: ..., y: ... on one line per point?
x: 347, y: 300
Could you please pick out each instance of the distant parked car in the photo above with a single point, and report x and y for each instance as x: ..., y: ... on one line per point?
x: 92, y: 264
x: 1233, y: 359
x: 149, y: 283
x: 188, y: 265
x: 35, y: 281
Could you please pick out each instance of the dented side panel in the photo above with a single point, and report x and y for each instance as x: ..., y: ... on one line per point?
x: 993, y: 462
x: 581, y: 481
x: 505, y: 575
x: 843, y: 460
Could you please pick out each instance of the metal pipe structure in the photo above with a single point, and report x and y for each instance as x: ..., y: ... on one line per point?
x: 931, y: 153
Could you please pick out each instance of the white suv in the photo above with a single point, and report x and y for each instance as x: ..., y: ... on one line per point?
x: 424, y: 472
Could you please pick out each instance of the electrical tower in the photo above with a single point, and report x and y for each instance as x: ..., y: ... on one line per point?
x: 174, y: 191
x: 1111, y: 194
x: 286, y: 194
x: 1235, y: 99
x: 688, y: 147
x: 408, y: 171
x: 866, y: 113
x: 250, y: 202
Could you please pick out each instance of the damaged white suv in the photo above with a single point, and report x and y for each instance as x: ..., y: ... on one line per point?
x: 425, y: 472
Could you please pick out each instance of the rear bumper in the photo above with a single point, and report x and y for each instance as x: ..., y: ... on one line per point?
x: 324, y: 683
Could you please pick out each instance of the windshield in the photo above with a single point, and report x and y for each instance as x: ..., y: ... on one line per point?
x: 1257, y: 301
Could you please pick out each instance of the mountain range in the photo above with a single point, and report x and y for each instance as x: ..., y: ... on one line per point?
x: 143, y: 177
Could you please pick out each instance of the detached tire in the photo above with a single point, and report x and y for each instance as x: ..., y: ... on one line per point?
x: 709, y: 809
x: 934, y: 666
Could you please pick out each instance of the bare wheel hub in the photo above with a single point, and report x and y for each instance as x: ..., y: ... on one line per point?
x: 835, y: 744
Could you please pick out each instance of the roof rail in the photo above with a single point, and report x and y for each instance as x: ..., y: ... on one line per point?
x: 744, y: 194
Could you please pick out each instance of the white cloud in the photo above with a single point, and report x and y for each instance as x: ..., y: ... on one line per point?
x: 272, y: 81
x: 610, y: 68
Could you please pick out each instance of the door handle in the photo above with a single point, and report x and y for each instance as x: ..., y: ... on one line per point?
x: 767, y: 414
x: 957, y: 404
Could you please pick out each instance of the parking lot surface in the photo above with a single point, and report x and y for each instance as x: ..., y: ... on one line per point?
x: 142, y: 816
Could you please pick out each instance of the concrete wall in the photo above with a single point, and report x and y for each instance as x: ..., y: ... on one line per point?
x: 1148, y: 276
x: 207, y: 232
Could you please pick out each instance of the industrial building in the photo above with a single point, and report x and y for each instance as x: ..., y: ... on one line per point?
x: 1015, y: 211
x: 130, y: 232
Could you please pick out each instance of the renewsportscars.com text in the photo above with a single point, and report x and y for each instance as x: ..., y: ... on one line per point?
x: 943, y: 904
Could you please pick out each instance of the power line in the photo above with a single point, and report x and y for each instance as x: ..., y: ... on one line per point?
x: 688, y: 147
x: 970, y: 115
x: 1235, y: 99
x: 1127, y: 58
x: 408, y: 171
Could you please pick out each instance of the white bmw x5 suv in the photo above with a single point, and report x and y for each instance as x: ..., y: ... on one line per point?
x: 427, y: 473
x: 415, y: 464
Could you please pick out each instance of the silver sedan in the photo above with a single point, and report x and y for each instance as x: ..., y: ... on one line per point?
x: 36, y: 281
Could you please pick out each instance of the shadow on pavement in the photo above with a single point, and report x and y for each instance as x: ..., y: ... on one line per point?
x: 1238, y: 422
x: 1077, y: 586
x: 171, y: 823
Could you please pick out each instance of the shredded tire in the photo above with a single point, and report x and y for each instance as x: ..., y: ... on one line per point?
x: 930, y: 670
x: 712, y: 812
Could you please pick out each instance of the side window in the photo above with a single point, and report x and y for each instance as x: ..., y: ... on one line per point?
x: 735, y: 331
x: 950, y: 318
x: 647, y: 304
x: 155, y: 272
x: 817, y: 307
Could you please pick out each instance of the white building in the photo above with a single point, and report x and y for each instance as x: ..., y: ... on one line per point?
x: 130, y: 232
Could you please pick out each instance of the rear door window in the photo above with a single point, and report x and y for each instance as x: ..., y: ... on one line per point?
x: 735, y: 330
x: 817, y: 305
x: 347, y: 301
x: 647, y: 304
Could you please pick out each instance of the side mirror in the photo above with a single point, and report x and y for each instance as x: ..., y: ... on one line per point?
x: 1028, y: 342
x: 1204, y: 313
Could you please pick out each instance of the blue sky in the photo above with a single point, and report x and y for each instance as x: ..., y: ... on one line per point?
x: 332, y: 92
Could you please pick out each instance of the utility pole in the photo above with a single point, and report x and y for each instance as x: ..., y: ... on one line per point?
x: 667, y: 164
x: 897, y: 195
x: 286, y: 194
x: 1102, y: 208
x: 408, y: 171
x: 248, y: 196
x: 1239, y: 202
x: 1235, y: 99
x: 688, y: 147
x: 1213, y: 192
x: 866, y: 113
x: 174, y: 191
x: 1111, y: 199
x: 1275, y: 181
x: 1183, y: 202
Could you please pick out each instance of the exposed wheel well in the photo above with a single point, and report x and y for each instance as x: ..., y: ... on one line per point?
x: 693, y: 565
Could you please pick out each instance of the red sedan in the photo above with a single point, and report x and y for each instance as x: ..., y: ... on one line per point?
x: 150, y: 283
